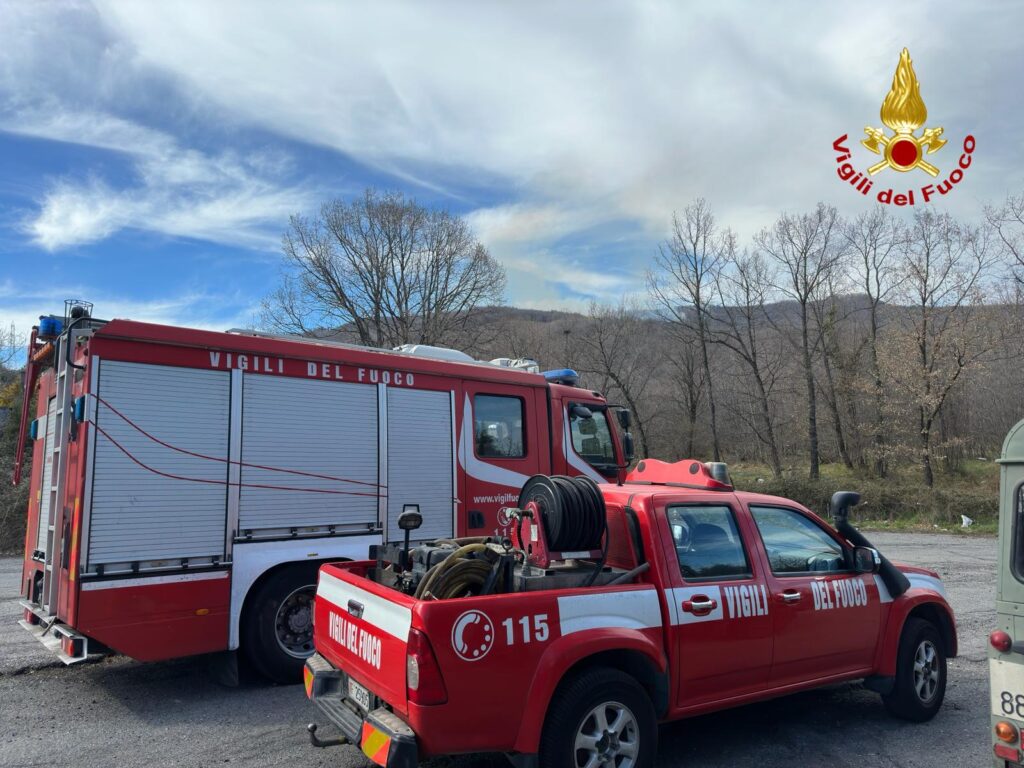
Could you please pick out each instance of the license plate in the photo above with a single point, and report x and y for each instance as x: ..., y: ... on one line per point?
x: 359, y: 694
x: 1007, y: 682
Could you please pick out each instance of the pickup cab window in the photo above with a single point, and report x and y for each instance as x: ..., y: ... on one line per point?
x: 708, y: 542
x: 795, y: 544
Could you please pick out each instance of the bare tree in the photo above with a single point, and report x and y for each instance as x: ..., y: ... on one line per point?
x: 386, y: 269
x: 1008, y: 223
x: 744, y: 289
x: 687, y: 381
x: 683, y: 283
x: 944, y: 268
x: 12, y: 347
x: 608, y: 347
x: 806, y: 249
x: 877, y: 241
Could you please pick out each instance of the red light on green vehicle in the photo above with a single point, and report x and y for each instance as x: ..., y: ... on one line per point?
x: 1001, y: 641
x: 1007, y: 753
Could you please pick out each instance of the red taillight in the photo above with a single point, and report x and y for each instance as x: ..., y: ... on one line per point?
x: 1007, y: 753
x: 422, y: 674
x: 1001, y: 641
x: 30, y: 617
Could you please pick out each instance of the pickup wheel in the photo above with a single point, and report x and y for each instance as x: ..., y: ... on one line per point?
x: 277, y: 627
x: 920, y: 684
x: 600, y: 718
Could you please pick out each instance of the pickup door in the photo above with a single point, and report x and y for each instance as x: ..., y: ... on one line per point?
x: 718, y: 602
x: 825, y: 617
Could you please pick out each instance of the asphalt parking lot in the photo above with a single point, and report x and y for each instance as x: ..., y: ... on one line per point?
x: 122, y: 713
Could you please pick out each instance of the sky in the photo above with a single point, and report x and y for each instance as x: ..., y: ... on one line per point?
x: 151, y: 153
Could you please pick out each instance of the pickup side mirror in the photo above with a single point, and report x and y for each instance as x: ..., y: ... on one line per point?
x: 866, y: 560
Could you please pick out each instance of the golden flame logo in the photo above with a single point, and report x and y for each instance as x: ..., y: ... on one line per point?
x: 903, y: 111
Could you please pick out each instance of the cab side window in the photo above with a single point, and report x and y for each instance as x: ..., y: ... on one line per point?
x: 498, y: 427
x: 708, y: 543
x: 796, y: 544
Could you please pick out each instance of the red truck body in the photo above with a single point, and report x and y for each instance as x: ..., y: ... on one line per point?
x: 694, y: 644
x: 176, y: 472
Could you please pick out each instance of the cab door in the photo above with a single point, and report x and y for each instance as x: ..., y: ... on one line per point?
x: 826, y: 617
x: 500, y: 447
x: 721, y: 628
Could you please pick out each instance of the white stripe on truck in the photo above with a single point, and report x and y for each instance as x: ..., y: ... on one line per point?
x: 148, y: 581
x: 636, y: 609
x: 383, y: 614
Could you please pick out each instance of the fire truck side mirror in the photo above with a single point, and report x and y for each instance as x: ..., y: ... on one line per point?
x: 628, y: 449
x: 625, y: 419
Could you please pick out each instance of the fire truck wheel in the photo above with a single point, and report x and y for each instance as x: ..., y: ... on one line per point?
x: 600, y: 718
x: 920, y: 682
x: 277, y: 629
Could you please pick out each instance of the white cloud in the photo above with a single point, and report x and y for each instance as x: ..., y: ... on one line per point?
x: 225, y: 197
x: 570, y: 115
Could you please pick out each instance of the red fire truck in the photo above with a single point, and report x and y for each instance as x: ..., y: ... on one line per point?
x: 598, y: 611
x: 186, y: 485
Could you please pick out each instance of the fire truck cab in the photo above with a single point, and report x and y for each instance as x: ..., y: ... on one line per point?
x: 186, y: 485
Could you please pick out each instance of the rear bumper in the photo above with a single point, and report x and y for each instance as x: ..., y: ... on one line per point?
x: 381, y: 735
x: 69, y: 645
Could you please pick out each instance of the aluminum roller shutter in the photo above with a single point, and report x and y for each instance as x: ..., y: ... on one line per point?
x: 138, y: 515
x: 420, y: 460
x: 47, y: 484
x: 322, y: 427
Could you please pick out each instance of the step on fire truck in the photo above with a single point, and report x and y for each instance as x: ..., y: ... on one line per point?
x: 186, y: 485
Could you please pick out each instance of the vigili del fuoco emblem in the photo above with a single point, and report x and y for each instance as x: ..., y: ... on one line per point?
x: 904, y: 113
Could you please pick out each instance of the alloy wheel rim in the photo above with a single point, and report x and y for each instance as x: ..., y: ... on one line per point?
x: 607, y: 737
x: 926, y: 671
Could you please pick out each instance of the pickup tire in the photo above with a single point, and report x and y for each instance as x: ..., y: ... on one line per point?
x: 920, y: 683
x: 600, y: 712
x: 277, y: 624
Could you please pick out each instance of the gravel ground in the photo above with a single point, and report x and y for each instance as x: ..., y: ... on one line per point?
x: 122, y: 713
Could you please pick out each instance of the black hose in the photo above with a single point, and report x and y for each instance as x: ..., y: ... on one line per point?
x: 894, y: 579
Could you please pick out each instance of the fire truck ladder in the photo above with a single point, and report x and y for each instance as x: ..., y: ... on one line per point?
x: 70, y: 646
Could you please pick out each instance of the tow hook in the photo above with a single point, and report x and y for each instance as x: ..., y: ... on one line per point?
x: 336, y: 741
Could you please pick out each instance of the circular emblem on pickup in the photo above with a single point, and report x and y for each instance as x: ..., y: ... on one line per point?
x: 472, y: 635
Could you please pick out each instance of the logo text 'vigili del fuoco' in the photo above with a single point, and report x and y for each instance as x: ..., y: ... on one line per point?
x: 904, y: 113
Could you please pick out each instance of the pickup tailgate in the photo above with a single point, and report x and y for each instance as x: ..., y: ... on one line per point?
x: 363, y: 630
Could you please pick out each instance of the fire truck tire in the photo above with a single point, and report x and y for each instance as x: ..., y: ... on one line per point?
x: 600, y: 713
x: 277, y: 624
x: 920, y: 684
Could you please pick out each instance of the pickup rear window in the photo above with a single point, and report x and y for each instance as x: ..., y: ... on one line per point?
x: 708, y: 542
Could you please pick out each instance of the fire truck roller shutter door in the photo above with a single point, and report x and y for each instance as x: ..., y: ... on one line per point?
x: 420, y: 460
x: 142, y: 509
x: 326, y: 429
x: 47, y: 484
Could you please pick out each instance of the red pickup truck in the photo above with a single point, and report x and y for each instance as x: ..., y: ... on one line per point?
x: 687, y: 597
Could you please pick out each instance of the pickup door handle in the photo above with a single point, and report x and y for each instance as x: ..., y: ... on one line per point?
x: 790, y: 596
x: 700, y: 605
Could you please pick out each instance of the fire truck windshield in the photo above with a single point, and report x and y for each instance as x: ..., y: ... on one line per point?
x: 592, y: 438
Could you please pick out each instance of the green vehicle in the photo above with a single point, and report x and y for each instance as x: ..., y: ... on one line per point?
x: 1006, y: 654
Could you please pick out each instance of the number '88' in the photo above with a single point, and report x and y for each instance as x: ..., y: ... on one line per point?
x: 1013, y: 705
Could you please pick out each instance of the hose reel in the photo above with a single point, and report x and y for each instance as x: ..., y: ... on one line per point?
x: 558, y: 518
